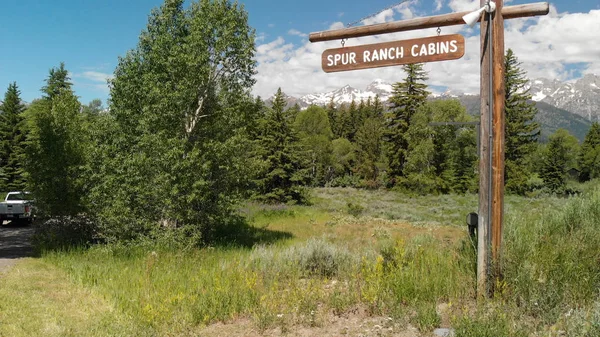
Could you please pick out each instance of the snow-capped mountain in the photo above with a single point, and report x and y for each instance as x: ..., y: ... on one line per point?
x: 344, y: 95
x: 347, y: 94
x: 581, y: 97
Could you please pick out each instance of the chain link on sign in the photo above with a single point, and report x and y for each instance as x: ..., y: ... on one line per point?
x: 374, y: 15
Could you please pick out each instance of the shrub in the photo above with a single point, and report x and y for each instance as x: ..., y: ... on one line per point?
x: 64, y: 232
x: 355, y: 210
x: 315, y: 257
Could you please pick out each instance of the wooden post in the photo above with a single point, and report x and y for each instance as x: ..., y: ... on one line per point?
x: 498, y: 119
x: 484, y: 159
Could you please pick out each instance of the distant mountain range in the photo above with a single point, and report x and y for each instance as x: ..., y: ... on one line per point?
x: 571, y: 105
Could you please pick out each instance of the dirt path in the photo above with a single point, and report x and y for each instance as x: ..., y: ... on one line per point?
x: 14, y: 244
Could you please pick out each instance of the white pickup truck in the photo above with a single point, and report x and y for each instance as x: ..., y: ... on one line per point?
x: 17, y: 207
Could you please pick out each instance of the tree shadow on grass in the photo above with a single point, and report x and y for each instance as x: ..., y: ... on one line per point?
x: 234, y: 232
x: 238, y: 233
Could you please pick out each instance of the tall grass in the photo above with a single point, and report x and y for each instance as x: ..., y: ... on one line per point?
x: 302, y: 282
x: 552, y: 261
x: 333, y: 262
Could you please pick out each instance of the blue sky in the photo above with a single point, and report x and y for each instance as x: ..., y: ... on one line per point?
x: 90, y: 35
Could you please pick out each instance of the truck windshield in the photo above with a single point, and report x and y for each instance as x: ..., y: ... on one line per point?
x: 19, y: 196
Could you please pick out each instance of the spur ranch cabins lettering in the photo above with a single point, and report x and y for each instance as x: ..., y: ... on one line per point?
x: 437, y: 48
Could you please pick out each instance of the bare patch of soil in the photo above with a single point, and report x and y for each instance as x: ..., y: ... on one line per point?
x: 353, y: 324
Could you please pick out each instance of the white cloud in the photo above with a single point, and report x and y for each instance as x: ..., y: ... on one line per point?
x: 96, y: 76
x: 384, y: 16
x: 438, y: 5
x: 405, y: 13
x: 260, y: 37
x: 337, y: 25
x: 546, y: 46
x: 296, y: 32
x: 92, y: 79
x: 463, y: 5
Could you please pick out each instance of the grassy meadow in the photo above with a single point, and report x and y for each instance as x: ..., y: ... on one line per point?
x: 355, y: 262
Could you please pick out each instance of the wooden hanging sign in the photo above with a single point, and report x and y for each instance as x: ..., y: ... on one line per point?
x: 429, y: 49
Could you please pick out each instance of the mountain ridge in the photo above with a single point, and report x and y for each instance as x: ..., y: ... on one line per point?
x: 572, y: 105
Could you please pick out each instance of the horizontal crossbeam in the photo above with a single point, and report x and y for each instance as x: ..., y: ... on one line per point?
x: 444, y: 20
x: 452, y: 123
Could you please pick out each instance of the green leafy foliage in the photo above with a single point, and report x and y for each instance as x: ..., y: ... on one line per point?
x: 560, y: 155
x: 440, y: 158
x: 369, y: 144
x: 589, y: 158
x: 173, y: 151
x: 314, y: 132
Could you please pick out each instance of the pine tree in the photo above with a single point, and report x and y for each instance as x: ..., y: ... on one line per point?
x: 351, y: 125
x: 406, y: 99
x: 57, y: 80
x: 12, y: 140
x: 522, y: 132
x: 377, y: 108
x: 589, y: 157
x: 343, y: 122
x: 332, y: 113
x: 283, y: 175
x: 55, y: 152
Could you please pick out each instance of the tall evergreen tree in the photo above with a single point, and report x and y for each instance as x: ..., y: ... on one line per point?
x: 283, y: 176
x: 344, y: 121
x: 332, y: 114
x: 406, y: 99
x: 376, y: 110
x: 12, y: 140
x: 55, y: 151
x: 522, y: 132
x: 589, y: 157
x: 57, y: 80
x: 352, y: 121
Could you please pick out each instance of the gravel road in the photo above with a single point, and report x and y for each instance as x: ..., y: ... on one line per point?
x: 14, y: 244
